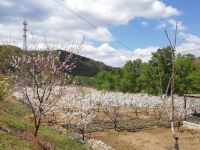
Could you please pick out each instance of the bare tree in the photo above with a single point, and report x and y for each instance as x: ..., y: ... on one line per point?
x: 157, y: 113
x: 164, y: 94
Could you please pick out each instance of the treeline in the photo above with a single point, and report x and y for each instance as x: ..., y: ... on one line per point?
x: 137, y: 76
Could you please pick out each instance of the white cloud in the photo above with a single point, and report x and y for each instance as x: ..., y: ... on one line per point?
x: 120, y: 12
x: 58, y: 23
x: 101, y: 34
x: 116, y: 57
x: 180, y: 26
x: 107, y: 54
x: 62, y: 26
x: 161, y: 25
x: 145, y: 24
x: 144, y: 53
x: 190, y: 44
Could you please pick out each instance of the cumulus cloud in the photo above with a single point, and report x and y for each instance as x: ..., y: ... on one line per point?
x: 57, y: 22
x: 61, y: 26
x: 180, y: 26
x: 101, y: 34
x: 144, y: 54
x: 120, y: 12
x: 161, y: 25
x: 116, y: 57
x: 191, y: 44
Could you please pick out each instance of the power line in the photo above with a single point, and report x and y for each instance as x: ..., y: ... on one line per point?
x: 192, y: 50
x: 94, y: 26
x: 89, y: 23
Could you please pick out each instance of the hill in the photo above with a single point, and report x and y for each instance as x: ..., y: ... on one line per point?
x: 87, y: 67
x: 16, y: 132
x: 84, y: 66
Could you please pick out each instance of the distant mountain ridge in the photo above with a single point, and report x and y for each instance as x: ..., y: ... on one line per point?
x: 84, y: 66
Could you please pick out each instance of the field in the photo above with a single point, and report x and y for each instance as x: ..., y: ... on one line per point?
x: 150, y: 139
x: 122, y: 121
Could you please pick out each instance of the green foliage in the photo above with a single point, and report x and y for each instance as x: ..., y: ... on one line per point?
x: 184, y: 66
x: 2, y: 93
x: 161, y: 69
x: 11, y: 142
x: 104, y: 80
x: 194, y: 78
x: 5, y: 52
x: 136, y: 76
x: 4, y: 86
x: 145, y: 81
x: 59, y: 141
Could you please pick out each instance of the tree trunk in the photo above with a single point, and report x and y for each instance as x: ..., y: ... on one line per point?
x: 115, y: 124
x: 175, y: 138
x: 179, y: 124
x: 37, y: 125
x: 136, y: 112
x: 147, y: 112
x: 67, y: 125
x: 83, y: 134
x: 175, y: 143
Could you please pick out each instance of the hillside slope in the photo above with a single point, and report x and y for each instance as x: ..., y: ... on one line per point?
x: 16, y: 131
x: 84, y: 66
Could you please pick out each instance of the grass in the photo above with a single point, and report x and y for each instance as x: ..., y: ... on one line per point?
x: 59, y: 141
x: 12, y: 114
x: 11, y: 142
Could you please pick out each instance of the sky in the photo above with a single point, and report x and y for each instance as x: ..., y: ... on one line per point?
x: 113, y: 31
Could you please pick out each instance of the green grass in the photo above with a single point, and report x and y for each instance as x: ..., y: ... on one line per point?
x: 12, y: 115
x: 14, y: 108
x: 113, y: 134
x: 10, y: 142
x: 59, y: 141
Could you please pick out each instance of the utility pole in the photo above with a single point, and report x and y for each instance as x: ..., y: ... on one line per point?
x: 25, y: 49
x: 24, y: 35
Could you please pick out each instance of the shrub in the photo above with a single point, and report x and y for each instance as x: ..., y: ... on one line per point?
x: 2, y: 91
x: 4, y: 86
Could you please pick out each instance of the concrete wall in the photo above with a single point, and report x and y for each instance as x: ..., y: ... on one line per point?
x: 191, y: 125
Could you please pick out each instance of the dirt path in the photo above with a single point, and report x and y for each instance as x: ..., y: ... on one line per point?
x: 152, y: 139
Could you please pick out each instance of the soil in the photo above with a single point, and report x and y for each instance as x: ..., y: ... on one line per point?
x: 150, y: 139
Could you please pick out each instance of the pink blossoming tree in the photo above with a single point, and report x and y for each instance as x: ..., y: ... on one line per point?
x: 37, y: 77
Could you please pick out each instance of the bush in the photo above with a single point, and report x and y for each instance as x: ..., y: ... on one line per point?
x: 4, y: 86
x: 2, y: 91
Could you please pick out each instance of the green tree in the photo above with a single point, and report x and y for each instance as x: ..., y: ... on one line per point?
x: 194, y: 78
x: 145, y: 80
x: 117, y: 79
x: 104, y: 80
x: 161, y: 68
x: 184, y: 66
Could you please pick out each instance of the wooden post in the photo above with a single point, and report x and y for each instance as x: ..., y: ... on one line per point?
x: 185, y: 108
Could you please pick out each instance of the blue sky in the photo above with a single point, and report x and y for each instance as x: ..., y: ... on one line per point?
x: 115, y: 30
x: 133, y: 33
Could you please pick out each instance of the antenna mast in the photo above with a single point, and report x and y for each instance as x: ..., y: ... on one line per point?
x: 24, y: 35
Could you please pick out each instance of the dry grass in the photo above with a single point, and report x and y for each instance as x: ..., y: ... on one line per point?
x: 151, y: 139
